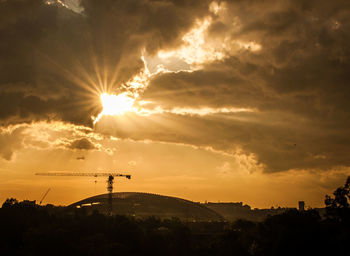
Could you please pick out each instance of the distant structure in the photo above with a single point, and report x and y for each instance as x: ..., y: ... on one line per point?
x: 144, y: 205
x: 301, y: 206
x: 28, y: 202
x: 233, y: 211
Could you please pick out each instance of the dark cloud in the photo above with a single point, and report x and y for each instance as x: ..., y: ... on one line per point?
x: 82, y: 144
x: 221, y: 86
x: 298, y: 83
x: 52, y: 58
x: 279, y: 142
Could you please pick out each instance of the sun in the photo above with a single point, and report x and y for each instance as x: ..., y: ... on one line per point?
x: 116, y: 104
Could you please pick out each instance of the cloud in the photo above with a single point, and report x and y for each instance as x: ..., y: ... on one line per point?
x: 10, y: 142
x: 297, y: 85
x: 286, y: 62
x: 82, y: 144
x: 43, y: 136
x: 56, y: 61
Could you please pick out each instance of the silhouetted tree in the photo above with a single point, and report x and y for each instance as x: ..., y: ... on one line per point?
x: 9, y: 202
x: 338, y: 208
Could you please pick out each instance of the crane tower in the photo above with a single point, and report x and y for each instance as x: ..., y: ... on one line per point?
x: 110, y: 180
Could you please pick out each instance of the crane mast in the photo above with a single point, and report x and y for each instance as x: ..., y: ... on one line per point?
x: 110, y: 180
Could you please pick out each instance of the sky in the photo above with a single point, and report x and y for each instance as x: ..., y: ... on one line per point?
x: 230, y: 101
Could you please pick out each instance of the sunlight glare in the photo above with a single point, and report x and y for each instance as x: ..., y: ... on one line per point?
x: 116, y: 104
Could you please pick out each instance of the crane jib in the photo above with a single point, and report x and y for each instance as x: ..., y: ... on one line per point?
x: 84, y: 174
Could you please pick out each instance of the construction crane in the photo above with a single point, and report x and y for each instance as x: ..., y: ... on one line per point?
x: 44, y: 196
x: 110, y: 180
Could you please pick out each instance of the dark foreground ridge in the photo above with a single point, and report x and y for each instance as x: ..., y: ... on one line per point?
x: 31, y: 229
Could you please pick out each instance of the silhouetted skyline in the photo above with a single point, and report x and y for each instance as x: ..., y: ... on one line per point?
x: 199, y: 99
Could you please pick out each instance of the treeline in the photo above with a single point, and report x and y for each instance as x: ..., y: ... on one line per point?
x: 29, y: 229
